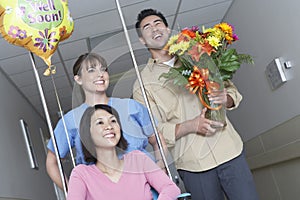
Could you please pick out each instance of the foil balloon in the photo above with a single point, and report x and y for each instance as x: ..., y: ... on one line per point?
x: 37, y: 25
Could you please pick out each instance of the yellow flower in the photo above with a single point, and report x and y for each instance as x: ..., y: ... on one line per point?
x: 229, y: 38
x: 179, y: 48
x: 208, y: 30
x: 214, y: 41
x: 172, y: 40
x: 225, y: 28
x: 218, y: 34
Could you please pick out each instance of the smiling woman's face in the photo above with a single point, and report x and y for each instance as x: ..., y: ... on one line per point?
x: 105, y: 129
x: 93, y: 77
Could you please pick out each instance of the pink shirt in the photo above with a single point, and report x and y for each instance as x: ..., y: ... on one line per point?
x: 140, y: 172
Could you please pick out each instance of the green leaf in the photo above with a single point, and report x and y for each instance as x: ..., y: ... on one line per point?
x: 227, y: 55
x: 230, y: 66
x: 225, y: 75
x: 180, y: 80
x: 169, y: 75
x: 175, y: 75
x: 245, y: 58
x: 233, y: 57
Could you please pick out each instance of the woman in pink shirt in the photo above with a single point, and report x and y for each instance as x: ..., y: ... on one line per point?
x: 114, y: 175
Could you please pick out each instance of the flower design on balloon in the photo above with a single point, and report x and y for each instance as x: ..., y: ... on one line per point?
x: 13, y: 31
x: 44, y: 42
x: 16, y: 32
x: 22, y: 34
x: 62, y: 31
x: 37, y: 25
x: 8, y: 10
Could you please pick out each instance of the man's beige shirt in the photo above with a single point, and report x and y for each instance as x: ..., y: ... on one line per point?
x: 171, y: 105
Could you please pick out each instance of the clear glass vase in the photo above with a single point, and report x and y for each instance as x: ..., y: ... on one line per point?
x: 217, y: 115
x: 206, y: 77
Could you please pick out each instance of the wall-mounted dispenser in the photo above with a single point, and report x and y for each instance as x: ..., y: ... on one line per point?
x: 275, y: 74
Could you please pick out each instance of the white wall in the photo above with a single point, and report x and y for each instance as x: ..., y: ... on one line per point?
x: 274, y: 159
x: 267, y: 29
x: 18, y: 180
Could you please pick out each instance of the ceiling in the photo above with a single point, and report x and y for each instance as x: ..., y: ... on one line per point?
x: 98, y: 29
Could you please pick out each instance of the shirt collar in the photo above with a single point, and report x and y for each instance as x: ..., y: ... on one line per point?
x: 152, y: 62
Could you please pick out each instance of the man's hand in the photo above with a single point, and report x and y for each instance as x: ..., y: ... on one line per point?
x: 199, y: 125
x: 218, y: 97
x: 221, y: 97
x: 205, y: 126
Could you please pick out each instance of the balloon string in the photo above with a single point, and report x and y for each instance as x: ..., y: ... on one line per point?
x: 60, y: 167
x: 143, y: 91
x: 63, y: 120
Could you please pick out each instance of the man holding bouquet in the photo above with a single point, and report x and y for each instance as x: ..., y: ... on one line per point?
x: 209, y: 159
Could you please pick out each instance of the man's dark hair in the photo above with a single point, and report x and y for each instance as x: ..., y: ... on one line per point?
x: 87, y: 143
x: 145, y: 13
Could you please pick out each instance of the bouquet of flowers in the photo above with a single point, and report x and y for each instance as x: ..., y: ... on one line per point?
x: 206, y: 62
